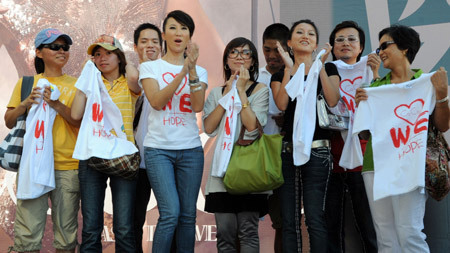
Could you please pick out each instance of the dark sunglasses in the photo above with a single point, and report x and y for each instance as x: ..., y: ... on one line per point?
x: 383, y: 46
x: 57, y: 47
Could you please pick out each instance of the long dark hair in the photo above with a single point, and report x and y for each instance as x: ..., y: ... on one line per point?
x: 240, y: 42
x: 39, y: 64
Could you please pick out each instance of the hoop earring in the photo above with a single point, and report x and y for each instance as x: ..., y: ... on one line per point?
x: 252, y: 68
x: 291, y: 51
x: 226, y: 67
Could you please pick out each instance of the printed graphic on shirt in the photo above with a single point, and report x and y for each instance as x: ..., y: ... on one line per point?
x: 408, y: 138
x: 348, y: 89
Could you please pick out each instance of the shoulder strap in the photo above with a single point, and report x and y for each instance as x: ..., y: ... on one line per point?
x: 250, y: 89
x: 27, y: 85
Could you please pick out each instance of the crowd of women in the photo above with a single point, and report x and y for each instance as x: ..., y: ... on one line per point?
x: 170, y: 90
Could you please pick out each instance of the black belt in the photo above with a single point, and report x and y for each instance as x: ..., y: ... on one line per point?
x: 287, y: 145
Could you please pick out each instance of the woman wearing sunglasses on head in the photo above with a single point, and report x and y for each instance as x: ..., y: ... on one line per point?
x: 236, y: 215
x: 52, y: 54
x: 309, y: 180
x: 398, y: 219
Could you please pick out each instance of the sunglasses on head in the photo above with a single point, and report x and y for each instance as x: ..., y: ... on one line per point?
x: 383, y: 46
x: 57, y: 47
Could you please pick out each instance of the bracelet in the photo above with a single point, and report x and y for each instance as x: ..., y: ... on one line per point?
x: 375, y: 80
x: 197, y: 89
x: 442, y: 100
x: 193, y: 81
x: 194, y: 84
x: 245, y: 105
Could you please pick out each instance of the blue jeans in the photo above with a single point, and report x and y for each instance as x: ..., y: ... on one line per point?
x: 175, y: 177
x: 335, y: 211
x: 92, y: 188
x: 311, y: 179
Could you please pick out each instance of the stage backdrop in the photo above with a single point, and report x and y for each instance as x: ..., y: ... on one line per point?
x: 217, y: 22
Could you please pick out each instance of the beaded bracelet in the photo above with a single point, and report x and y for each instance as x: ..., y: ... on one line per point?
x: 442, y: 100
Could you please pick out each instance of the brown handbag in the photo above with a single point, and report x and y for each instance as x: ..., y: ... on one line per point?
x: 437, y: 181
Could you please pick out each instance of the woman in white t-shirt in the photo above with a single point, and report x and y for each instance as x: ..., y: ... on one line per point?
x: 175, y: 88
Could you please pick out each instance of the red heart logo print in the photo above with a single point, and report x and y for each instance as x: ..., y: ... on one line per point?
x: 168, y: 78
x: 410, y: 113
x: 348, y: 86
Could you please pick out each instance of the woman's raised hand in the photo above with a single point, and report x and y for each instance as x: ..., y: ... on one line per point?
x: 440, y: 83
x: 192, y: 54
x: 360, y: 95
x: 288, y: 63
x: 244, y: 76
x: 327, y: 48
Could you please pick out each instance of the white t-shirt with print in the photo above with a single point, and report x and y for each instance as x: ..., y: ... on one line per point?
x: 271, y: 126
x: 175, y: 126
x: 397, y: 117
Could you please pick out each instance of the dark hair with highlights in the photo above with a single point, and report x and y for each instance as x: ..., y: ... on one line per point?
x: 120, y: 55
x: 348, y: 24
x: 405, y: 38
x: 305, y: 21
x: 240, y: 42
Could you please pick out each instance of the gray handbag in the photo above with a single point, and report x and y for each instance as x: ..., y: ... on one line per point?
x: 333, y: 118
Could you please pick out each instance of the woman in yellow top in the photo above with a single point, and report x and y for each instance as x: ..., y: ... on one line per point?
x: 52, y: 54
x: 109, y: 58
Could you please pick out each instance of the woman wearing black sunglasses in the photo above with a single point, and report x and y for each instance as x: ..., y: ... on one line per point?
x: 398, y: 219
x: 52, y: 54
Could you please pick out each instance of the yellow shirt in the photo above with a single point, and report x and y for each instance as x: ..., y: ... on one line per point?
x: 125, y: 100
x: 64, y: 134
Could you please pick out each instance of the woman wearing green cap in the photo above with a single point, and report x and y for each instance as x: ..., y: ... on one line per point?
x: 52, y: 54
x: 109, y: 58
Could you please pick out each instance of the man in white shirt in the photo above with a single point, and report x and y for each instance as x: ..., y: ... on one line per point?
x: 348, y: 42
x: 274, y: 63
x: 147, y: 44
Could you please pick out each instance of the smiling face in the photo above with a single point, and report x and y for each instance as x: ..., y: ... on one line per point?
x: 236, y: 63
x: 347, y: 51
x: 391, y: 56
x: 303, y: 38
x: 176, y: 36
x: 54, y: 58
x: 148, y: 46
x: 106, y: 61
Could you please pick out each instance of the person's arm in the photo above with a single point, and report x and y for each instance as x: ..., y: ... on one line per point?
x: 280, y: 96
x: 60, y: 108
x: 158, y: 98
x: 197, y: 93
x: 133, y: 78
x: 374, y: 61
x: 330, y: 84
x: 212, y: 120
x: 78, y: 105
x: 12, y: 114
x: 441, y: 112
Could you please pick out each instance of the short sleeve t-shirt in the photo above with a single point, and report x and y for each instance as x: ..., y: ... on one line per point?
x: 287, y: 128
x: 66, y: 134
x: 175, y: 126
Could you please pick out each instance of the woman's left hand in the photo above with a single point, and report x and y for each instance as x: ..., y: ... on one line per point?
x: 440, y: 83
x: 244, y: 76
x: 46, y: 96
x: 327, y: 48
x: 192, y: 54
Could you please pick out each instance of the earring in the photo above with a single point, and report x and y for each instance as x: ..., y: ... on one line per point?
x: 252, y: 68
x: 291, y: 51
x: 226, y: 67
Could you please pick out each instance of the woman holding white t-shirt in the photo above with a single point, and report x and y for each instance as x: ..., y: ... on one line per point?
x: 398, y: 219
x: 175, y: 88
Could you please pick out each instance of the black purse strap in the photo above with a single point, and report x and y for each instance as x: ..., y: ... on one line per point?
x: 27, y: 85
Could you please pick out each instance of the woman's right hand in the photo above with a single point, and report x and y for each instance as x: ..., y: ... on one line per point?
x: 360, y: 95
x: 288, y: 63
x: 244, y: 76
x: 31, y: 99
x: 229, y: 83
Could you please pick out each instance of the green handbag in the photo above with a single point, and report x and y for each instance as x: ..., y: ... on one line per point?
x: 255, y: 165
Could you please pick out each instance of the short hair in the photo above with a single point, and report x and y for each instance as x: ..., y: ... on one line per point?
x: 120, y: 54
x: 182, y: 18
x: 405, y: 38
x: 144, y: 26
x: 306, y: 21
x: 277, y: 31
x: 348, y: 24
x: 238, y: 42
